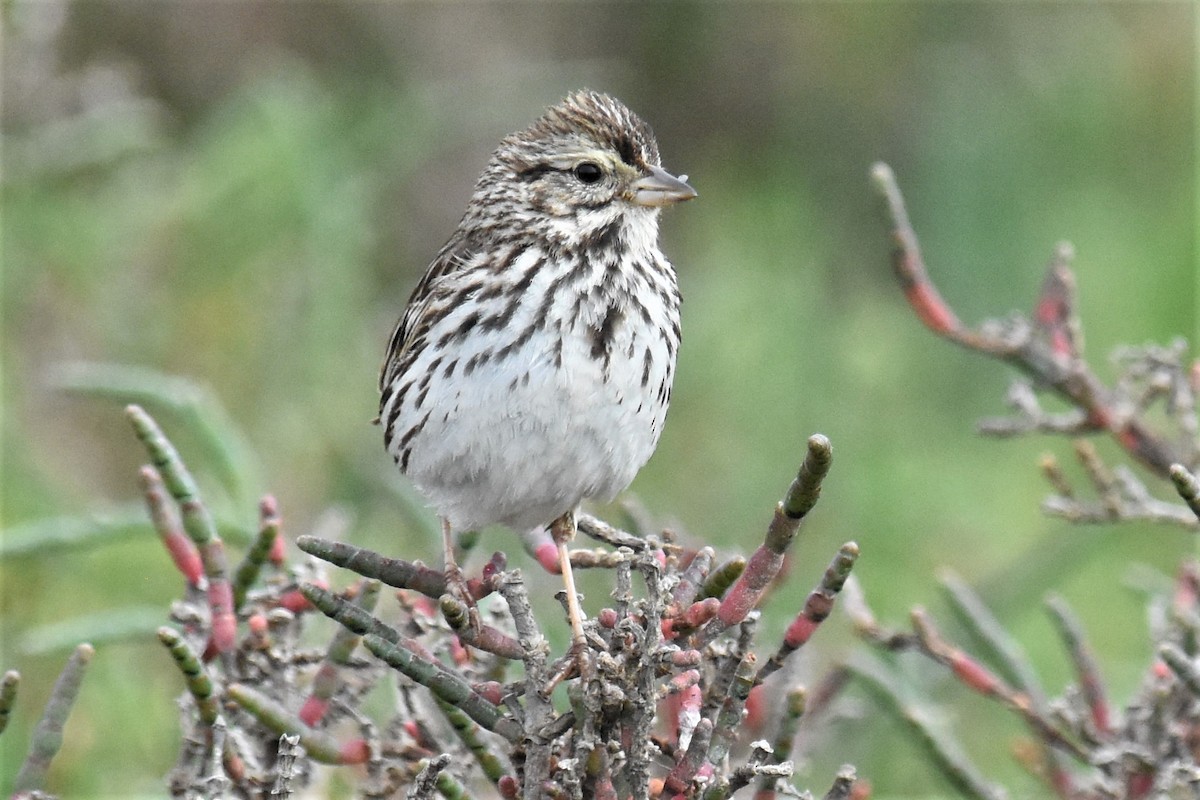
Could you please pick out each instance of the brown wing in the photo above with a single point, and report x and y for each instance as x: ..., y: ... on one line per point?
x: 449, y: 259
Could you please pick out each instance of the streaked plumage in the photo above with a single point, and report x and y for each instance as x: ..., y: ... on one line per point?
x: 532, y: 367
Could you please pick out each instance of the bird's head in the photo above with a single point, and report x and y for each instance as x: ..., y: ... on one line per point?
x: 588, y: 159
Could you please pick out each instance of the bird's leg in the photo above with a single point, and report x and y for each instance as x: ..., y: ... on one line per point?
x: 562, y: 530
x: 455, y: 582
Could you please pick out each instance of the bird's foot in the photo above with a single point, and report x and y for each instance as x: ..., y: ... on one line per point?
x: 456, y: 582
x: 459, y: 588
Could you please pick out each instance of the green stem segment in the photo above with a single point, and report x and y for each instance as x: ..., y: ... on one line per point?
x: 259, y: 553
x: 275, y: 717
x: 390, y: 647
x: 48, y: 735
x: 199, y: 684
x: 197, y: 523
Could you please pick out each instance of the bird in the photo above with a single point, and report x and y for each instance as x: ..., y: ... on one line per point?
x: 532, y: 366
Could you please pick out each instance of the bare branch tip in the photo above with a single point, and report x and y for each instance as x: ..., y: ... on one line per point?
x: 883, y: 177
x: 268, y: 506
x: 820, y: 454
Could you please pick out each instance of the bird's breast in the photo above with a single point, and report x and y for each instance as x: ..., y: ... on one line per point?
x: 564, y: 401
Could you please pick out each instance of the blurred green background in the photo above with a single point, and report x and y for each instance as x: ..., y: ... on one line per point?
x: 243, y: 194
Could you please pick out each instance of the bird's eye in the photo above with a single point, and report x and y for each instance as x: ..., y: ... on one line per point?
x: 588, y: 172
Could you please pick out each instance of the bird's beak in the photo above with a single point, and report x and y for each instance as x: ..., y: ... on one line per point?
x: 661, y: 188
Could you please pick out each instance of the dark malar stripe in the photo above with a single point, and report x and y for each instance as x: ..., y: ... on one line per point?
x: 602, y: 239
